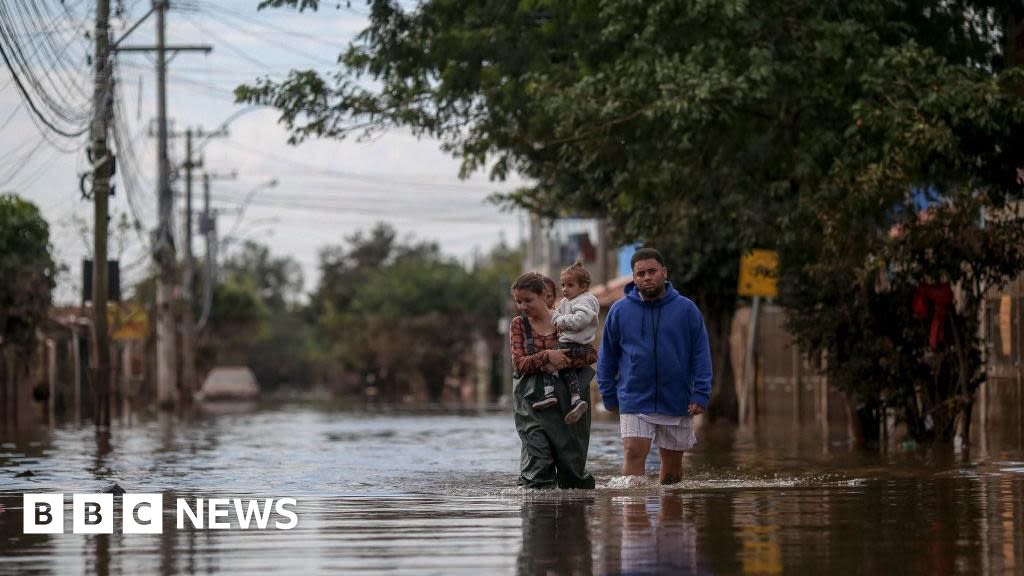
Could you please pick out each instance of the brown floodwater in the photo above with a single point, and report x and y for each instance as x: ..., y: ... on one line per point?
x: 435, y: 494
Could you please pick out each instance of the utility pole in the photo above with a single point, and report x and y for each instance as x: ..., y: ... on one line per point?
x: 605, y: 271
x: 188, y: 356
x: 166, y: 376
x: 164, y: 251
x: 188, y: 328
x: 208, y: 226
x: 103, y: 163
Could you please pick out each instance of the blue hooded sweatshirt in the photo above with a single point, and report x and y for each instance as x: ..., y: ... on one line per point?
x: 654, y: 356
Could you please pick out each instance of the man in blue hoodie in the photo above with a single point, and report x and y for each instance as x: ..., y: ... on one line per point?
x: 654, y: 367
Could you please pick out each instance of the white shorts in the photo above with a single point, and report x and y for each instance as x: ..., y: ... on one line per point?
x: 678, y: 437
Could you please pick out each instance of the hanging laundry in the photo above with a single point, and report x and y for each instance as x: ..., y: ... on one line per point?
x: 930, y: 302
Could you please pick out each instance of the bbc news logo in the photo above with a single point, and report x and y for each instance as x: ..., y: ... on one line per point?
x: 144, y: 513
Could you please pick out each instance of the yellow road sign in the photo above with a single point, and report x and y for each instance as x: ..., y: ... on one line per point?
x: 127, y: 321
x: 759, y: 271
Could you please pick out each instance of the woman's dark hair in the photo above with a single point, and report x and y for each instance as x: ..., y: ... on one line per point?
x: 578, y: 272
x: 646, y: 254
x: 531, y: 281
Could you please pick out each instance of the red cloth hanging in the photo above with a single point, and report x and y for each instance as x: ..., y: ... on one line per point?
x: 931, y: 301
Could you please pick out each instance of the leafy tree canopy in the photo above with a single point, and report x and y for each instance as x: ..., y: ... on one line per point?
x: 717, y: 126
x: 27, y: 269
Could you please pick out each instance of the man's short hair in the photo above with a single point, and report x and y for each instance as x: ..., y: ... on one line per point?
x: 646, y: 254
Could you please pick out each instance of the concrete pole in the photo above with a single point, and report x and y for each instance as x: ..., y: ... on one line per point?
x: 166, y: 333
x: 77, y: 361
x: 748, y: 365
x: 211, y: 254
x: 51, y: 381
x: 209, y: 229
x: 103, y: 163
x: 604, y: 273
x: 188, y: 359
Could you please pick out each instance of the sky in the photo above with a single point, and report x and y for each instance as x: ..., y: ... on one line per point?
x: 325, y: 189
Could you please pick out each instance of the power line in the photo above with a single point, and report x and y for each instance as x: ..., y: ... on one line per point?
x: 298, y: 204
x: 312, y: 168
x: 392, y: 199
x: 40, y: 171
x: 230, y: 47
x: 258, y: 22
x: 23, y: 161
x: 269, y: 39
x: 48, y: 55
x: 15, y: 58
x: 129, y: 167
x: 32, y: 104
x: 56, y: 54
x: 197, y: 85
x: 206, y: 70
x: 11, y: 116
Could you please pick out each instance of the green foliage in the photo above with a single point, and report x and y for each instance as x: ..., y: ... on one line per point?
x: 285, y: 354
x: 343, y: 271
x: 919, y: 122
x: 278, y: 281
x: 238, y: 305
x: 391, y: 313
x: 27, y: 269
x: 718, y: 126
x: 402, y: 316
x: 249, y: 314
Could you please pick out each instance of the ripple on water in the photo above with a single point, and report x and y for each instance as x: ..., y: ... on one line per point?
x: 643, y: 486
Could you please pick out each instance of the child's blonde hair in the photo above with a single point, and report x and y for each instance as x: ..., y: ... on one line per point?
x: 578, y: 272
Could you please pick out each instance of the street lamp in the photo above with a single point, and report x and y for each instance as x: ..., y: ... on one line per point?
x: 272, y: 183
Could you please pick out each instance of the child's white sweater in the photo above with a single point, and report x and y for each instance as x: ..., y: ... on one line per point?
x: 576, y: 319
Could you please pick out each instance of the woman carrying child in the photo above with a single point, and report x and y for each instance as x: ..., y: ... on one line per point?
x: 554, y: 453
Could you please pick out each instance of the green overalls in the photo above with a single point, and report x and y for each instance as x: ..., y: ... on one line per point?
x: 553, y: 453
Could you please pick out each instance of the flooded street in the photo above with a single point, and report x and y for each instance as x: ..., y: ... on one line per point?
x: 436, y: 494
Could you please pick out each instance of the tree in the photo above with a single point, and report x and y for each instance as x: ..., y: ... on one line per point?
x: 717, y: 127
x: 28, y: 269
x: 850, y: 294
x: 518, y: 83
x: 257, y: 321
x: 343, y: 270
x: 278, y: 281
x: 28, y: 272
x: 401, y: 315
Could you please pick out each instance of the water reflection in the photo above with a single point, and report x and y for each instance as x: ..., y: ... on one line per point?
x: 656, y: 538
x: 556, y: 537
x: 435, y: 494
